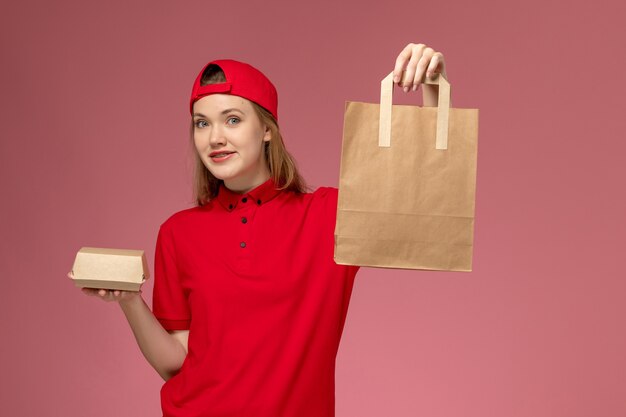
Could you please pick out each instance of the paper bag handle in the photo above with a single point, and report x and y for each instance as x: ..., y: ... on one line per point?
x: 443, y: 109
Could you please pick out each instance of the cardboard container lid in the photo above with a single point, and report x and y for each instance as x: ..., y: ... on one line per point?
x: 107, y: 264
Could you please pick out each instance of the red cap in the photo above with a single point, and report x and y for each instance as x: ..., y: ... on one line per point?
x: 242, y: 80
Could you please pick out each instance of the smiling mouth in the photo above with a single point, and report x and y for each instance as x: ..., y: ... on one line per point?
x: 221, y: 157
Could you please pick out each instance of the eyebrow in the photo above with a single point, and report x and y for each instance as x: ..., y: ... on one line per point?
x: 224, y: 112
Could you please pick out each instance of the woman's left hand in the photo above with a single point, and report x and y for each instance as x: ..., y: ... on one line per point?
x: 418, y: 59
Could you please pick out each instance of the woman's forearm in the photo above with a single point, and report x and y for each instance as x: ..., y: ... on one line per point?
x: 164, y: 353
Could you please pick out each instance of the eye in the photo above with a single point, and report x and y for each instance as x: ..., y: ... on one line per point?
x: 234, y: 118
x: 199, y: 123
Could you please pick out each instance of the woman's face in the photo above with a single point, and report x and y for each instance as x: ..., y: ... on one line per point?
x: 227, y: 123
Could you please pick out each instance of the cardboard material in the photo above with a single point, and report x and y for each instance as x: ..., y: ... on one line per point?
x: 407, y: 184
x: 113, y: 269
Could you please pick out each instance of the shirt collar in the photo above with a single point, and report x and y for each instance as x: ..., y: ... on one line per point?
x: 258, y: 195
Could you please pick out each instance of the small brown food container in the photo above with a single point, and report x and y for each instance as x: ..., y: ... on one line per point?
x: 111, y: 269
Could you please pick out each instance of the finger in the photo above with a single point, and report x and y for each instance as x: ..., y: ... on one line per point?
x: 90, y: 291
x: 436, y: 65
x: 421, y: 65
x: 109, y: 296
x: 412, y: 66
x: 401, y: 61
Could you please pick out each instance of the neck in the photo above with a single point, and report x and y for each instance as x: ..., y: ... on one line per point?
x: 242, y: 189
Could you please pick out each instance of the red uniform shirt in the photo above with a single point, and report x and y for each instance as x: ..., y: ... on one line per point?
x: 252, y: 277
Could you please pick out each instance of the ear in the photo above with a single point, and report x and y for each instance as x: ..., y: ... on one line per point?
x: 268, y: 134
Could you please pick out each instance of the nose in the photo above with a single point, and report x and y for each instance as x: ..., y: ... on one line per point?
x: 216, y: 138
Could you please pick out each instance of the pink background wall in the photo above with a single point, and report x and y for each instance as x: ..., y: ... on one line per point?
x: 94, y: 152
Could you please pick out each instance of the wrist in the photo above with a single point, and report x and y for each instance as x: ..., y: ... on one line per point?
x: 130, y: 299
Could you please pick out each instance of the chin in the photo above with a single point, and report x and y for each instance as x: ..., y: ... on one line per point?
x: 222, y: 176
x: 217, y: 173
x: 218, y: 176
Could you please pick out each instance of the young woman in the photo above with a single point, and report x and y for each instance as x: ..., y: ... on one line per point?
x: 248, y: 304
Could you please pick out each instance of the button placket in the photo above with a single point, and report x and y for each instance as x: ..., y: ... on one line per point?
x: 243, y: 226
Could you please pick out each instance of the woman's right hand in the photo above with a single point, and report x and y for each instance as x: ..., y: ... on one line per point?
x: 108, y: 295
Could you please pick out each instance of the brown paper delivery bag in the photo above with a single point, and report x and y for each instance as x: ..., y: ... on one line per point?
x: 407, y: 184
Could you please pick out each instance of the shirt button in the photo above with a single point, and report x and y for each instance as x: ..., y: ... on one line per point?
x: 244, y: 220
x: 230, y: 206
x: 242, y: 244
x: 258, y: 202
x: 244, y: 199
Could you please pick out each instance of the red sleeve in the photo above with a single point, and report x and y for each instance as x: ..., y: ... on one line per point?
x: 169, y: 301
